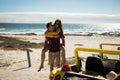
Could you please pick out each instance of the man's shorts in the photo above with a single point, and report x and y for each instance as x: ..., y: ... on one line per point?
x: 54, y: 58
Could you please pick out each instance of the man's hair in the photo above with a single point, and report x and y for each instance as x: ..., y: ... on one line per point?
x: 48, y: 24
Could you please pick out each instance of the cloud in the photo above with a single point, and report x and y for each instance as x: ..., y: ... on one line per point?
x: 44, y: 17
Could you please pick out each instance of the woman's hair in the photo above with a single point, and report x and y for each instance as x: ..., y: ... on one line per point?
x: 59, y: 25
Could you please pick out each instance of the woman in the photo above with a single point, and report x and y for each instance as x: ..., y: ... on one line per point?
x: 58, y: 32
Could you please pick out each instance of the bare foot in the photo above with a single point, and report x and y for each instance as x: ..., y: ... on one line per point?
x: 40, y: 68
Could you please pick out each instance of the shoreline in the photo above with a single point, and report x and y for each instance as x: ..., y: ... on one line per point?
x: 113, y: 34
x: 15, y: 61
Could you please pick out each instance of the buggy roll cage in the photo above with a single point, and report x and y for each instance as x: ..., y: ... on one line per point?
x: 100, y: 51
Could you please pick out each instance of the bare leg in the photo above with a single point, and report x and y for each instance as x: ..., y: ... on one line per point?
x: 63, y: 61
x: 51, y: 67
x: 44, y: 50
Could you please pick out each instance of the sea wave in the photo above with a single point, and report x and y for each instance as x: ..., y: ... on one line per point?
x: 2, y: 29
x: 70, y: 34
x: 95, y: 34
x: 68, y: 29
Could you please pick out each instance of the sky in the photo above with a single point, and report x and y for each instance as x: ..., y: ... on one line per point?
x: 69, y: 11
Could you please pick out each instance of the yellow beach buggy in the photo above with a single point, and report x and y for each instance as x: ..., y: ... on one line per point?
x: 96, y: 66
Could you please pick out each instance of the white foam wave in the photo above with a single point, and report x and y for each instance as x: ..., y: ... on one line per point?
x: 2, y: 29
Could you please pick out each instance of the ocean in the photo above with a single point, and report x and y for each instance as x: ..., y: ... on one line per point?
x: 40, y: 28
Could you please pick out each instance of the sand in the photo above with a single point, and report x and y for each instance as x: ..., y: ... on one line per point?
x: 14, y: 65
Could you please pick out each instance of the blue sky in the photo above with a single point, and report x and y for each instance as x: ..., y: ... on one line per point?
x: 82, y: 7
x: 79, y: 6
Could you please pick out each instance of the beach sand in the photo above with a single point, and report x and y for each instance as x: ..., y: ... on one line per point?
x: 14, y: 64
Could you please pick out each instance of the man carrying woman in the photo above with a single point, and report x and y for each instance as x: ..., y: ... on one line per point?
x: 58, y: 34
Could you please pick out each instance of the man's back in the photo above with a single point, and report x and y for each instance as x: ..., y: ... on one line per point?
x: 54, y: 44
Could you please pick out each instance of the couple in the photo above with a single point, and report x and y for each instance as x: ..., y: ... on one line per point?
x: 52, y: 43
